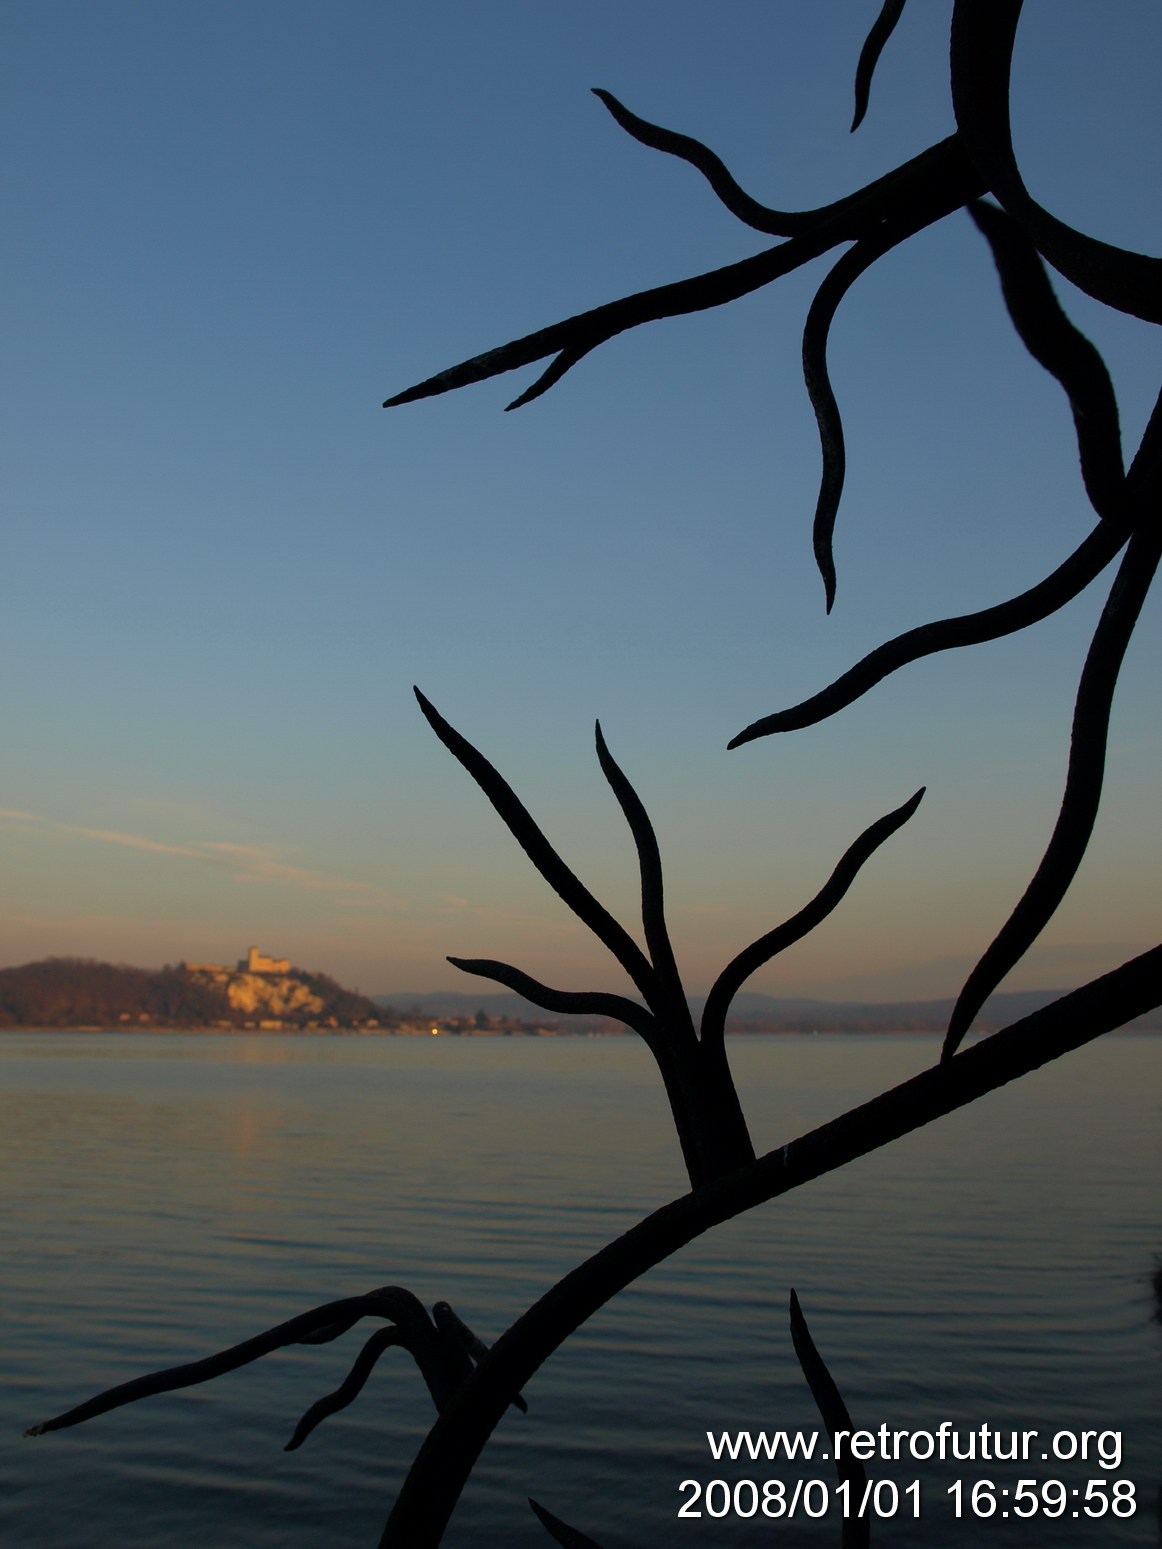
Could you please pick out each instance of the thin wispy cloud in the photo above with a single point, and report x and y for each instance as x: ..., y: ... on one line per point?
x: 244, y: 863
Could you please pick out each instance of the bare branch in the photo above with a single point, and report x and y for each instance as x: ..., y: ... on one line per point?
x: 983, y: 34
x: 564, y: 362
x: 818, y: 381
x: 940, y: 173
x: 737, y: 972
x: 1064, y: 351
x: 882, y: 29
x: 827, y: 417
x: 388, y: 1302
x: 560, y: 1532
x: 349, y: 1389
x: 828, y: 1399
x: 1082, y: 567
x: 446, y: 1458
x: 576, y: 336
x: 532, y: 841
x: 441, y: 1374
x: 653, y: 894
x: 453, y: 1327
x: 1145, y: 471
x: 1083, y: 784
x: 856, y: 1530
x: 816, y: 330
x: 573, y: 1002
x: 775, y: 223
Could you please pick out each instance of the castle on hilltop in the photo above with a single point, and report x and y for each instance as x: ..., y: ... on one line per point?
x: 253, y: 963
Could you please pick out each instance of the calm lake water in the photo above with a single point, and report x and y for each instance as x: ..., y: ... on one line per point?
x: 168, y: 1195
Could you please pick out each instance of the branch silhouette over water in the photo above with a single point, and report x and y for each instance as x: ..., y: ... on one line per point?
x: 974, y: 170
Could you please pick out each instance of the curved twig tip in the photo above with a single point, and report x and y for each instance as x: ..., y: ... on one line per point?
x: 882, y: 29
x: 560, y: 1532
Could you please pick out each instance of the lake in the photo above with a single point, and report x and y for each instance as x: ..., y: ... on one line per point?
x: 170, y: 1194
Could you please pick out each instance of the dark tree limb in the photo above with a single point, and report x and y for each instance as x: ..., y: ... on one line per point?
x: 1064, y: 351
x: 1145, y: 472
x: 816, y: 331
x: 442, y: 1345
x: 560, y: 1532
x: 760, y: 217
x: 708, y: 1116
x: 749, y: 961
x: 1083, y: 783
x: 532, y: 841
x: 452, y: 1326
x: 657, y: 936
x: 983, y: 35
x: 318, y: 1326
x: 598, y: 1003
x: 1065, y: 583
x: 348, y: 1390
x: 940, y: 174
x: 882, y: 29
x: 443, y: 1463
x: 856, y: 1529
x: 832, y: 448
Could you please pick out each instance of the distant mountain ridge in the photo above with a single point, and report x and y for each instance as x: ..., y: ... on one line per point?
x: 757, y: 1013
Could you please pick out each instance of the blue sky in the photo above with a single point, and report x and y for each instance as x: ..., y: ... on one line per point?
x: 239, y: 225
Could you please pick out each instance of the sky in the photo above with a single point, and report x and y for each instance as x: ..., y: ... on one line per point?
x: 237, y: 226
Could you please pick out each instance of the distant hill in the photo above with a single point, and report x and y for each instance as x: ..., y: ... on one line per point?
x: 753, y: 1012
x: 79, y: 992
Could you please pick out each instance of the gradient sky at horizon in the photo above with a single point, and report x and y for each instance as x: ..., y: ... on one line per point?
x: 237, y: 225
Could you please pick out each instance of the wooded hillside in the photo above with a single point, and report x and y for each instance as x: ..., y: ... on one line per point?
x: 79, y: 992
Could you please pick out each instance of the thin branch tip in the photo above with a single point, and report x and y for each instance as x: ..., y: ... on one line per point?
x: 882, y: 29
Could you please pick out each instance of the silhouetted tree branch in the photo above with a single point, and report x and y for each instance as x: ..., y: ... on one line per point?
x: 448, y: 1455
x: 472, y: 1386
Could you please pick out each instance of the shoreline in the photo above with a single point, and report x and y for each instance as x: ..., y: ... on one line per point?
x: 397, y: 1032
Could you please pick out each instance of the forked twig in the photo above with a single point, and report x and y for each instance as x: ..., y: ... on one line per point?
x: 447, y: 1457
x: 937, y: 177
x: 443, y: 1347
x: 711, y: 1127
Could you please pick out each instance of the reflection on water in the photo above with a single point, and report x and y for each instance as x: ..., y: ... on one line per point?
x: 171, y: 1194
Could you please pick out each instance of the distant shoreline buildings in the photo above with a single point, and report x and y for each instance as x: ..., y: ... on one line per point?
x: 262, y: 994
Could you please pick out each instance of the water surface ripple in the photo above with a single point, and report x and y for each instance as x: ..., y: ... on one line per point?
x: 169, y: 1194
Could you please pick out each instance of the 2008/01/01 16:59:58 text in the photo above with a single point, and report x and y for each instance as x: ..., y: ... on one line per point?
x: 885, y: 1498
